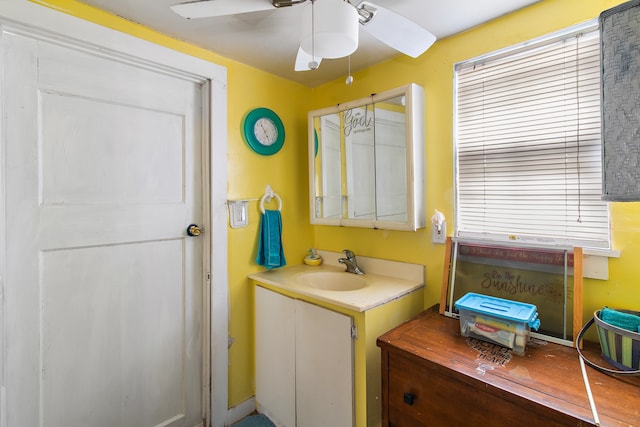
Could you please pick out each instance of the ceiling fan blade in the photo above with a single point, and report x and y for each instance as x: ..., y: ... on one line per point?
x: 209, y: 8
x: 303, y: 59
x: 395, y: 30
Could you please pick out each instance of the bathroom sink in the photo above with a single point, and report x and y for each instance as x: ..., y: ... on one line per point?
x: 329, y: 283
x: 332, y: 280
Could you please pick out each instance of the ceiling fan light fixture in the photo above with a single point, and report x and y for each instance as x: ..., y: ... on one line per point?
x: 331, y: 30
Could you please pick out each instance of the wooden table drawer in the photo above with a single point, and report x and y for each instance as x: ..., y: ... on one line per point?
x: 420, y: 395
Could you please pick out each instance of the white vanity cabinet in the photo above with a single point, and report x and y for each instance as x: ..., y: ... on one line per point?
x: 309, y: 371
x: 304, y: 362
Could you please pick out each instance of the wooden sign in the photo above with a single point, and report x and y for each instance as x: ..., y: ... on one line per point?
x: 549, y: 278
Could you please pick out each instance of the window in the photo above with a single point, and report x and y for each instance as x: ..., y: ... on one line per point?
x: 528, y: 145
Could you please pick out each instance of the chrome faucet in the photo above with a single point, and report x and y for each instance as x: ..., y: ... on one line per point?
x: 350, y: 262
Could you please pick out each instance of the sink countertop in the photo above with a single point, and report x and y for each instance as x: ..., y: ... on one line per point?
x: 380, y: 288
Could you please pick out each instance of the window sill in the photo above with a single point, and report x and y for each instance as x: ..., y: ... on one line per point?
x: 607, y: 253
x: 595, y: 263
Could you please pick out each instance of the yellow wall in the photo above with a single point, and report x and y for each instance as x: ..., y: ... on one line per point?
x: 286, y: 171
x: 249, y: 173
x: 434, y: 71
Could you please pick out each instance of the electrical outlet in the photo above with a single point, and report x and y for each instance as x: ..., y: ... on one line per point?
x: 439, y: 236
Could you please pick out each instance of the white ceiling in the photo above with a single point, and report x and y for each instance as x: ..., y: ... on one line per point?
x: 268, y: 40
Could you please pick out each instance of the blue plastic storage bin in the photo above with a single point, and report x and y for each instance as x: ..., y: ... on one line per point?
x: 500, y: 321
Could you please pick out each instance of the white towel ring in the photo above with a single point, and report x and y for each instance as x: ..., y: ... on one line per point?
x: 268, y: 197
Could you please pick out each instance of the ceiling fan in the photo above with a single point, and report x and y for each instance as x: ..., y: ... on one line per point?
x: 330, y: 27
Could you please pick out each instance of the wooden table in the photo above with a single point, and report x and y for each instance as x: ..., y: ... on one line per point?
x: 431, y: 375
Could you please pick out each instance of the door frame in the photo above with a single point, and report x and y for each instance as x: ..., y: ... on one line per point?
x: 33, y: 20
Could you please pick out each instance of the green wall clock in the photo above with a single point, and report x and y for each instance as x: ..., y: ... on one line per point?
x: 263, y: 130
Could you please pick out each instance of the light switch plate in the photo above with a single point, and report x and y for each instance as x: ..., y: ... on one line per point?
x: 238, y: 213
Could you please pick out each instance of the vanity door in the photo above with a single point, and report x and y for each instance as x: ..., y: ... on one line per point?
x: 304, y: 362
x: 275, y: 356
x: 324, y: 367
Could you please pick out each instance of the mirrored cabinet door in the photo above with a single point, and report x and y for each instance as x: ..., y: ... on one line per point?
x: 392, y: 191
x: 366, y: 162
x: 359, y: 159
x: 327, y: 167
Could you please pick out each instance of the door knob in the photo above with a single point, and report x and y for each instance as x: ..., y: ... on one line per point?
x: 194, y: 230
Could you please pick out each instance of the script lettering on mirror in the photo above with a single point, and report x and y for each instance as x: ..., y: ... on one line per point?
x: 357, y: 122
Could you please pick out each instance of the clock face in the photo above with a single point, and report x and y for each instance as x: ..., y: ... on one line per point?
x: 265, y: 131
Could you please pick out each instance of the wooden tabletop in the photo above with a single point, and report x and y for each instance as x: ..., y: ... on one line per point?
x: 548, y: 374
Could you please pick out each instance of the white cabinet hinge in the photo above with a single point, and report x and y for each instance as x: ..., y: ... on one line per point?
x: 354, y: 332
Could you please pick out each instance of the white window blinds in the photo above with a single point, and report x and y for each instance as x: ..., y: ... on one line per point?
x: 528, y: 149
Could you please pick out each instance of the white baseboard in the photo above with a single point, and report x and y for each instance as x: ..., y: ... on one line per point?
x: 268, y: 414
x: 240, y: 411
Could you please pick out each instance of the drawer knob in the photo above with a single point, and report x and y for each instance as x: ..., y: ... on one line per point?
x: 408, y: 398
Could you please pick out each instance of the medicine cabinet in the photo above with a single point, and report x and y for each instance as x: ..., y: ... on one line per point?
x: 366, y: 162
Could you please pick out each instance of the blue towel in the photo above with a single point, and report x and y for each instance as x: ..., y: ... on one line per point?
x: 620, y: 319
x: 270, y: 251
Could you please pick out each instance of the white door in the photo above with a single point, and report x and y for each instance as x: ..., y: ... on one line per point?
x: 104, y: 290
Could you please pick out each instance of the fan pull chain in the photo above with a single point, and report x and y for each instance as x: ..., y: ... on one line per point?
x: 349, y: 80
x: 313, y: 64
